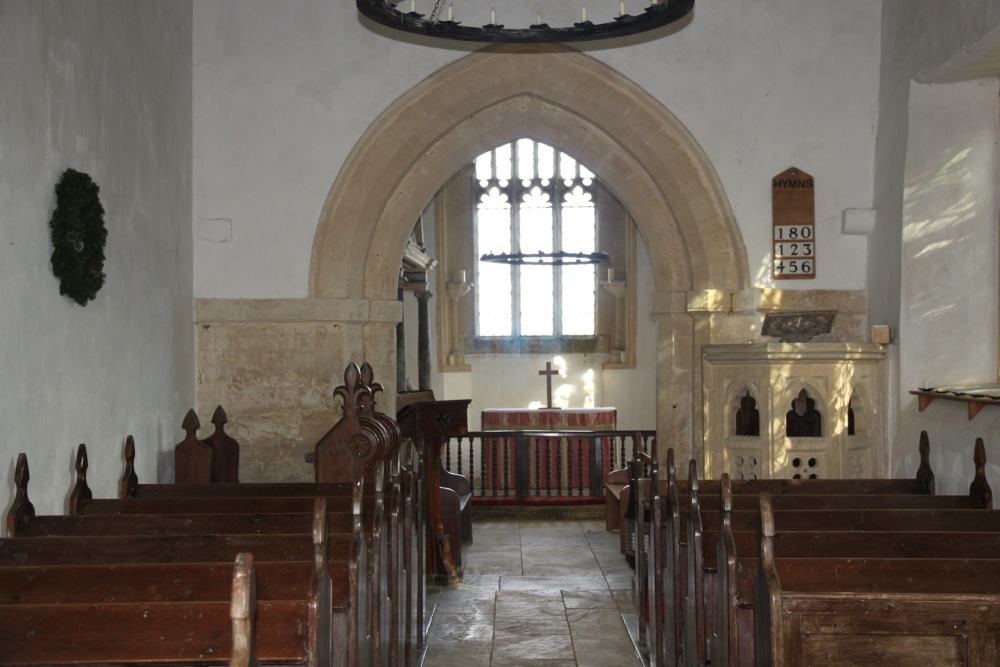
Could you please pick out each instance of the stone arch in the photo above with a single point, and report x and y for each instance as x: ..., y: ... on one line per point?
x: 573, y: 102
x: 554, y: 94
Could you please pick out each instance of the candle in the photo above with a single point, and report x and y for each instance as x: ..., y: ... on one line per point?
x: 539, y: 19
x: 493, y: 21
x: 584, y: 13
x: 413, y: 6
x: 461, y: 276
x: 621, y: 7
x: 451, y: 12
x: 611, y: 275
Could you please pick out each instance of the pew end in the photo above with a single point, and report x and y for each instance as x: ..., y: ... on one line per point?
x: 81, y: 491
x: 193, y: 459
x: 130, y: 480
x: 21, y: 510
x: 924, y: 472
x: 980, y: 488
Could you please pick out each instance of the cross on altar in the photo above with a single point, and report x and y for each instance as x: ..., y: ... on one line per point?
x: 548, y: 373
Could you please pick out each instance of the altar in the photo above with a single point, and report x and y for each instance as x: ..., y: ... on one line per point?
x: 569, y: 468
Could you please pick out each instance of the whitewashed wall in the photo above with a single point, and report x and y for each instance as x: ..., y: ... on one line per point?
x: 103, y: 86
x: 284, y: 90
x: 933, y: 261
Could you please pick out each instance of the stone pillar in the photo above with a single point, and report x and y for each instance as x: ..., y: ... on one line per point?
x: 423, y: 339
x: 676, y: 393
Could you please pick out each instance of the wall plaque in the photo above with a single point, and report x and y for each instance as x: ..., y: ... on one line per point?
x: 794, y: 225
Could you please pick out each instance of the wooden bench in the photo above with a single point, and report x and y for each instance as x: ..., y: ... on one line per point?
x: 704, y: 519
x: 940, y: 608
x: 261, y: 508
x: 673, y: 598
x: 364, y: 442
x: 828, y: 533
x: 150, y: 599
x: 193, y: 616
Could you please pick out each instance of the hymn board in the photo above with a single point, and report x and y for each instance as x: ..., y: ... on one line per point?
x: 794, y: 225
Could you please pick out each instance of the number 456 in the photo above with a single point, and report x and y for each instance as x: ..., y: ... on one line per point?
x: 793, y: 267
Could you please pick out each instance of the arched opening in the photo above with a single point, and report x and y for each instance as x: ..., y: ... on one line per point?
x: 638, y: 149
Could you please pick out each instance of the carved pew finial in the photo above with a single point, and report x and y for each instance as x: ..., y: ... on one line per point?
x: 354, y: 443
x: 980, y: 488
x: 368, y: 380
x: 129, y: 481
x: 924, y: 472
x: 192, y: 458
x: 671, y: 468
x: 225, y: 450
x: 21, y: 509
x: 81, y: 491
x: 219, y: 418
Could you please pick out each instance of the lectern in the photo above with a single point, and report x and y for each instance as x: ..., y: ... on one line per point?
x: 430, y: 424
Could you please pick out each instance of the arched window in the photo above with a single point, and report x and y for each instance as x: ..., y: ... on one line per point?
x: 531, y: 198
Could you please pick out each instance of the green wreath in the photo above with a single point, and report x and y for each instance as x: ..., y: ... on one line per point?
x: 78, y: 237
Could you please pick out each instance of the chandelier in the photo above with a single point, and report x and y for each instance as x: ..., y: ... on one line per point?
x: 441, y: 22
x: 558, y: 258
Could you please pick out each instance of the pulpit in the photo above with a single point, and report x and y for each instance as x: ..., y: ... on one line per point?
x: 796, y: 410
x: 447, y: 496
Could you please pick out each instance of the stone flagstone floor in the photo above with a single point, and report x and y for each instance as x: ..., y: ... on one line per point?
x: 536, y: 592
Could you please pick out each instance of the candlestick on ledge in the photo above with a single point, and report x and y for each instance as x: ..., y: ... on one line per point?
x: 456, y: 290
x: 617, y: 289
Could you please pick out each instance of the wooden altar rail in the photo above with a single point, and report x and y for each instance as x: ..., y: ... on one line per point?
x: 539, y: 467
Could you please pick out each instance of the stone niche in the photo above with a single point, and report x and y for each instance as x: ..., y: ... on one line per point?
x: 795, y: 410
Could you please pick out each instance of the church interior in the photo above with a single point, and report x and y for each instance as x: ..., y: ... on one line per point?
x: 289, y: 187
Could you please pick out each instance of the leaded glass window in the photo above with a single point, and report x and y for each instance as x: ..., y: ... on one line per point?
x: 531, y: 198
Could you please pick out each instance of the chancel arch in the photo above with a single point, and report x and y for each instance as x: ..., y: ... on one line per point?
x: 559, y: 96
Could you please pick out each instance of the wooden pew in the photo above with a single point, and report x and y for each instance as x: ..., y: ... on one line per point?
x: 363, y: 443
x: 262, y: 509
x: 941, y: 608
x: 258, y: 500
x: 265, y: 521
x: 883, y: 533
x: 673, y: 592
x: 672, y: 588
x: 703, y: 528
x: 114, y: 619
x: 150, y: 599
